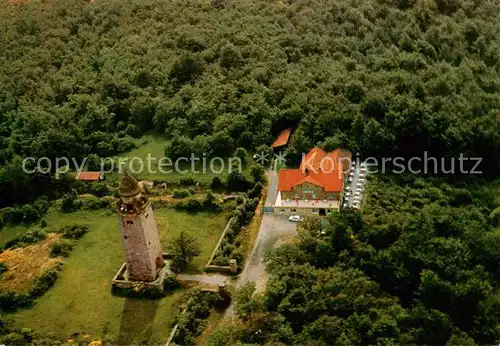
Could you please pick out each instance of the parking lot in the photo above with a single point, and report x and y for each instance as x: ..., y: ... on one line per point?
x: 354, y: 189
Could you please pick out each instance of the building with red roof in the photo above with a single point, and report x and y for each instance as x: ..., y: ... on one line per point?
x: 89, y: 176
x: 282, y: 138
x: 316, y: 186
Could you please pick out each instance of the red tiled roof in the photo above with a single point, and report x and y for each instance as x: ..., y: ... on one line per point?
x: 312, y: 159
x: 330, y: 182
x: 89, y: 176
x: 283, y: 138
x: 319, y: 160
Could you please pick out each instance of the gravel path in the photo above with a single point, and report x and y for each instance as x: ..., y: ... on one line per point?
x: 205, y: 279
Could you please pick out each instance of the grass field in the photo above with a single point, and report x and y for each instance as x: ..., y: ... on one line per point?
x: 81, y: 300
x: 155, y: 146
x: 10, y: 232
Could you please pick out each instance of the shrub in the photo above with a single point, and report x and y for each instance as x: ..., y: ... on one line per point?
x: 33, y: 235
x: 61, y: 248
x: 189, y: 181
x: 69, y: 203
x: 170, y: 283
x: 238, y: 255
x: 191, y: 322
x: 180, y: 193
x: 216, y: 184
x: 99, y: 189
x: 191, y: 205
x: 257, y: 173
x: 255, y: 191
x: 44, y: 282
x: 23, y: 338
x: 237, y: 182
x: 210, y: 203
x: 74, y: 231
x: 93, y: 203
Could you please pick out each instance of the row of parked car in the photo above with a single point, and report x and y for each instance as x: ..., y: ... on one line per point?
x: 353, y: 191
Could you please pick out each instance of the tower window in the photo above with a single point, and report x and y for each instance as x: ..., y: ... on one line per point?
x: 130, y: 222
x: 146, y: 216
x: 125, y: 237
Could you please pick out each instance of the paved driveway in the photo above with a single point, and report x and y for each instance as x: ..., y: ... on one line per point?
x: 274, y: 231
x: 272, y: 188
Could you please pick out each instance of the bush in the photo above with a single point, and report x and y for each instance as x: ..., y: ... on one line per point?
x: 69, y: 202
x: 210, y: 203
x: 216, y: 184
x: 99, y: 189
x: 93, y: 203
x: 191, y: 205
x: 187, y: 181
x: 237, y: 182
x: 61, y: 248
x: 170, y: 283
x: 44, y: 282
x: 255, y: 191
x: 191, y: 322
x: 180, y: 193
x: 74, y: 231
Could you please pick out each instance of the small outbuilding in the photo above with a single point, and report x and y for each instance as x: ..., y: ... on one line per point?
x: 282, y: 139
x: 90, y: 176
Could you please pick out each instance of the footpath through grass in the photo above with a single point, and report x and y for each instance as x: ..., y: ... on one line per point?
x: 81, y: 300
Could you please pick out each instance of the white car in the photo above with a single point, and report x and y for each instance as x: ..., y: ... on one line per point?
x: 347, y: 194
x: 347, y: 188
x: 357, y: 193
x: 295, y: 218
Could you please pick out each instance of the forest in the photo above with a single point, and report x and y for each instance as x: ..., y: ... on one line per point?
x: 383, y: 78
x: 418, y: 266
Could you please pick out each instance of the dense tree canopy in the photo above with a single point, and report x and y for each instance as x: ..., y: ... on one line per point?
x: 418, y: 267
x: 382, y: 77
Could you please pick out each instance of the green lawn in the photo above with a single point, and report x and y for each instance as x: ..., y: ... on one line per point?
x: 156, y: 147
x: 10, y: 232
x: 81, y: 299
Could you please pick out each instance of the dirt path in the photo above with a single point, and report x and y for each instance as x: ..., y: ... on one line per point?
x: 204, y: 279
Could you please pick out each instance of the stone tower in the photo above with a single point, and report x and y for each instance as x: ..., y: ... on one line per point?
x: 141, y: 244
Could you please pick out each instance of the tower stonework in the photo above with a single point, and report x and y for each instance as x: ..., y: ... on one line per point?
x: 141, y: 244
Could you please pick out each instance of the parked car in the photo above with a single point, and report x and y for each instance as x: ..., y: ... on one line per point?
x: 347, y: 188
x: 295, y: 218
